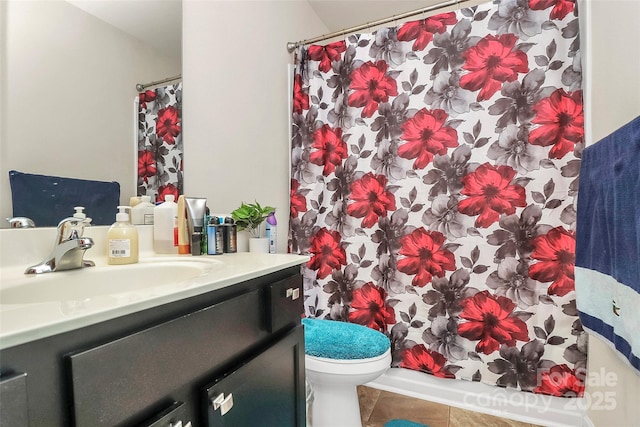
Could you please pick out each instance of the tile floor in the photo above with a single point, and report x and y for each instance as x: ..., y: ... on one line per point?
x: 378, y: 406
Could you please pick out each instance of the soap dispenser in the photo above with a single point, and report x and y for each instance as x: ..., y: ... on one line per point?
x: 122, y: 240
x: 79, y: 213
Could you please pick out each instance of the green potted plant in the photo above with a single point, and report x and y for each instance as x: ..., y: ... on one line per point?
x: 249, y: 217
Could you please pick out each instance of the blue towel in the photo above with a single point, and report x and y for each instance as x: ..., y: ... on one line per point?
x: 403, y: 423
x: 608, y: 241
x: 48, y: 199
x: 341, y: 340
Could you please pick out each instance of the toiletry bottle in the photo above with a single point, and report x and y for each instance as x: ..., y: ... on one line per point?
x: 230, y: 234
x: 79, y: 228
x: 215, y: 240
x: 122, y: 240
x: 142, y: 213
x: 196, y: 210
x: 134, y: 201
x: 184, y: 239
x: 272, y: 231
x: 196, y: 241
x: 79, y: 212
x: 205, y: 234
x: 165, y: 223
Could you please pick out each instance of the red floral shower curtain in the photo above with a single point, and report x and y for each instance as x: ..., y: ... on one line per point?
x: 160, y: 149
x: 434, y: 175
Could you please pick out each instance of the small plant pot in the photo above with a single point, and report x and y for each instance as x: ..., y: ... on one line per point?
x: 259, y: 245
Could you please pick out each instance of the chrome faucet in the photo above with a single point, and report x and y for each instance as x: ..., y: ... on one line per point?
x: 69, y: 247
x: 20, y: 222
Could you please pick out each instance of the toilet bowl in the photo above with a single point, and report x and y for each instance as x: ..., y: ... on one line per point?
x: 339, y: 356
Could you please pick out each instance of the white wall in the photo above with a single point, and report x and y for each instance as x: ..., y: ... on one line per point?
x: 613, y: 99
x: 66, y: 90
x: 614, y: 64
x: 235, y: 101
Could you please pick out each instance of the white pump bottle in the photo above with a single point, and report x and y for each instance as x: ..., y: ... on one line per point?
x: 122, y: 240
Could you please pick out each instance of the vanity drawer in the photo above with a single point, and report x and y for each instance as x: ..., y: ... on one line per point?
x: 284, y: 303
x: 122, y: 379
x: 173, y: 416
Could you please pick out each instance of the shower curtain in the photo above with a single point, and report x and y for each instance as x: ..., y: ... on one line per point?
x: 160, y: 149
x: 434, y: 174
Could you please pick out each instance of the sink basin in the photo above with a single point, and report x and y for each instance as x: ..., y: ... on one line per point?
x: 117, y: 281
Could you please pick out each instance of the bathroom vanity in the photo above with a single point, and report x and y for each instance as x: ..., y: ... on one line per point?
x: 223, y: 348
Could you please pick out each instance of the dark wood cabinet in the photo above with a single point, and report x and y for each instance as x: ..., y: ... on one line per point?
x: 171, y: 363
x: 261, y: 392
x: 13, y: 400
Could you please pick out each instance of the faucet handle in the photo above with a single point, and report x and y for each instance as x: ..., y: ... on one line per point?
x: 70, y: 228
x: 73, y: 221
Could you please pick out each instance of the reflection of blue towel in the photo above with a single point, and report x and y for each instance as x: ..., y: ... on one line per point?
x: 608, y: 240
x: 48, y: 199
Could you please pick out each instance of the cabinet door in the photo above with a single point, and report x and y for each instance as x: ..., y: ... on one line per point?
x: 13, y: 401
x: 266, y: 391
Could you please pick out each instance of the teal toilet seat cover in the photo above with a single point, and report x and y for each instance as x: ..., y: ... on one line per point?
x: 342, y: 340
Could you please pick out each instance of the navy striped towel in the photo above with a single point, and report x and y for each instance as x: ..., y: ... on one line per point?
x: 607, y: 270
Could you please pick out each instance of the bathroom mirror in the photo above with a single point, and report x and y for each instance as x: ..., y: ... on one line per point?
x: 68, y: 85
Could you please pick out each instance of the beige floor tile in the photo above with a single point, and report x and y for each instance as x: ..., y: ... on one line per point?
x: 461, y: 418
x: 394, y: 406
x: 368, y: 398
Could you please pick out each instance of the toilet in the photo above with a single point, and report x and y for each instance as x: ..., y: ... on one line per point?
x: 338, y: 357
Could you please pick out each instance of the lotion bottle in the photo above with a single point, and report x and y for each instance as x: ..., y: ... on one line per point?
x: 122, y: 240
x: 165, y: 226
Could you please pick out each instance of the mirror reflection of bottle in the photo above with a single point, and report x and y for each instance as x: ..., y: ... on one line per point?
x: 142, y: 213
x: 230, y: 234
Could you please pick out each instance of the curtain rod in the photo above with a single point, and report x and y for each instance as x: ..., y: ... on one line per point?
x: 291, y: 46
x: 140, y: 87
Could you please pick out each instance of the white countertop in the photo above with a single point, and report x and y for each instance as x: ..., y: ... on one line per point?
x: 41, y: 317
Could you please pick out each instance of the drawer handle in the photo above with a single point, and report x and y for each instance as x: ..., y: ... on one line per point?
x: 224, y: 403
x: 293, y: 293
